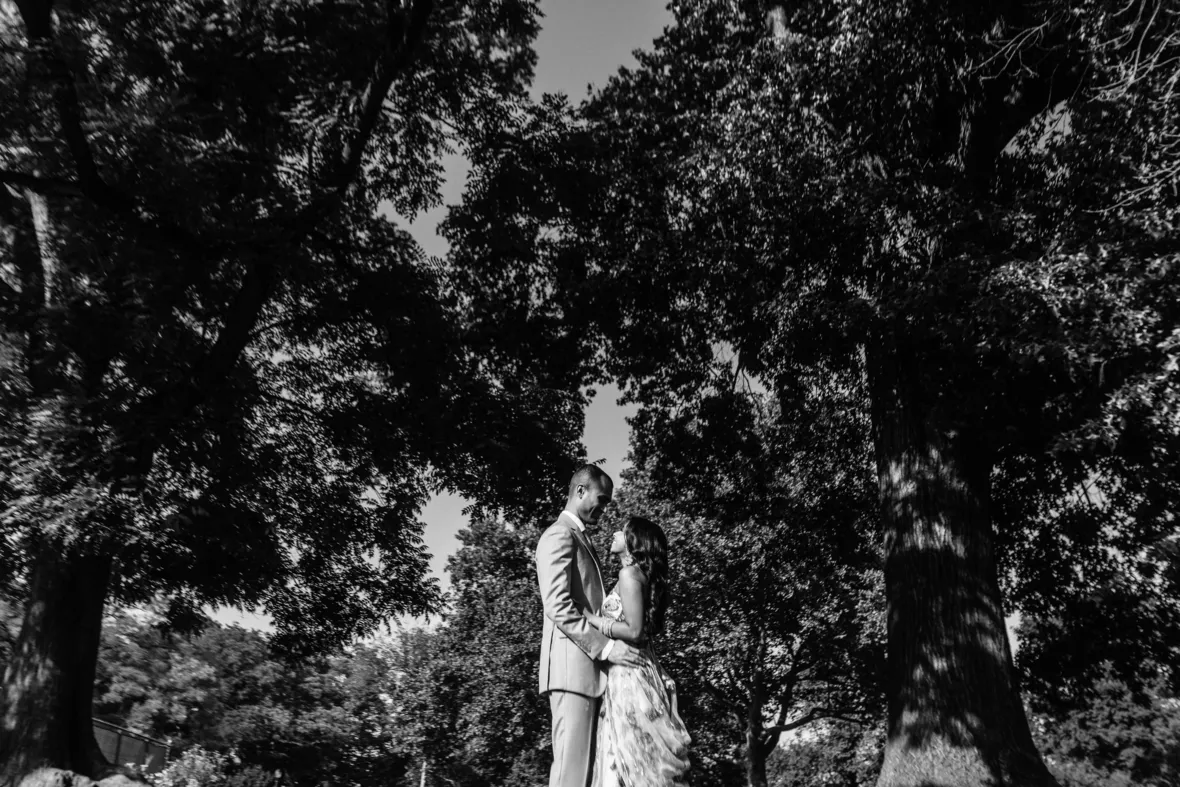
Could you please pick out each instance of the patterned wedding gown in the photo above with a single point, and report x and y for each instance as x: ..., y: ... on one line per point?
x: 641, y: 740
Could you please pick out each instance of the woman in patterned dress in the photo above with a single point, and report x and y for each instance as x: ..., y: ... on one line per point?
x: 641, y: 740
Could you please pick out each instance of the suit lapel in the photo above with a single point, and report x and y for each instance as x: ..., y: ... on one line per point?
x: 581, y: 536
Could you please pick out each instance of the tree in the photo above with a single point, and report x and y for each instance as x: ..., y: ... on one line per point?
x: 950, y: 195
x: 843, y: 755
x: 774, y: 625
x: 226, y: 379
x: 494, y: 630
x: 9, y: 627
x: 1109, y: 617
x: 768, y: 633
x: 227, y: 691
x: 425, y: 707
x: 469, y: 708
x: 1116, y: 736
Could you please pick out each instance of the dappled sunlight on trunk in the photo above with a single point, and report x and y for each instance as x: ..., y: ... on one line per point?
x: 955, y: 716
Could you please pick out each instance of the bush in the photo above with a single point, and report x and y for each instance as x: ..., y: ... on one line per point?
x: 197, y: 767
x: 1118, y: 738
x: 833, y: 755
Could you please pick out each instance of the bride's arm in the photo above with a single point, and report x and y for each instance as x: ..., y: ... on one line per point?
x: 630, y: 590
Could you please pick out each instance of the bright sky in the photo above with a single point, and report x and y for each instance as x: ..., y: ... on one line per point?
x: 582, y: 43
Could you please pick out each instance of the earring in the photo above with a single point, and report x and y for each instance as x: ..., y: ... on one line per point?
x: 627, y: 559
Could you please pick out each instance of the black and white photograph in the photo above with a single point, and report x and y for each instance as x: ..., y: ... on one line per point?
x: 589, y: 393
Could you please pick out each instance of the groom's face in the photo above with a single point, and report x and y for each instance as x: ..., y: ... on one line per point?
x: 593, y: 500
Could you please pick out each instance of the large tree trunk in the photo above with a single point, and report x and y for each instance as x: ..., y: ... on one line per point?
x: 46, y: 699
x: 756, y: 748
x: 755, y: 759
x: 955, y: 715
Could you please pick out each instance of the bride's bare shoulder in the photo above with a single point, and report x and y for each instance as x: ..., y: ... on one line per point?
x: 632, y: 574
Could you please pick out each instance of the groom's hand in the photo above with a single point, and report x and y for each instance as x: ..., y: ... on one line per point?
x: 622, y: 653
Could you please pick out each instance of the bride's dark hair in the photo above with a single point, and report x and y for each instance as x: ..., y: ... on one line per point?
x: 649, y: 546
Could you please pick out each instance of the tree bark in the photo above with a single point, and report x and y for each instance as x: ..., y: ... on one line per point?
x: 756, y: 751
x: 955, y: 715
x: 755, y: 760
x: 46, y: 700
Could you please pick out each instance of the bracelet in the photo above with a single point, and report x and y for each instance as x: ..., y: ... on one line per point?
x: 610, y: 628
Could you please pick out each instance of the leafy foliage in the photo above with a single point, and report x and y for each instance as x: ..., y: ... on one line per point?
x: 966, y: 200
x: 468, y: 702
x: 196, y: 767
x: 223, y: 362
x: 225, y: 695
x: 1114, y: 737
x: 774, y: 624
x: 844, y: 755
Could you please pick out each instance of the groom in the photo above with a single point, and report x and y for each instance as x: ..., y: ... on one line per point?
x: 573, y: 653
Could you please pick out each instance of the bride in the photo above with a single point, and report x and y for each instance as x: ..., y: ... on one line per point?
x: 641, y: 740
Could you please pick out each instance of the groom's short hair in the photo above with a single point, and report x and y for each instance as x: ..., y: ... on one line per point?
x: 589, y: 476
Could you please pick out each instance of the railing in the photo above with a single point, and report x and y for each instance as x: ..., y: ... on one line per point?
x: 122, y: 746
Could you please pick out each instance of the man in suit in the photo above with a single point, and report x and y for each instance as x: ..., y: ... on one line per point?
x: 574, y: 654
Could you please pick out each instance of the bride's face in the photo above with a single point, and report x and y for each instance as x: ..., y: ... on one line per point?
x: 618, y: 545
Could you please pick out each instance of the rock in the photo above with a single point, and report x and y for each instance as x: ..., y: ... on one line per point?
x: 121, y: 780
x: 55, y: 777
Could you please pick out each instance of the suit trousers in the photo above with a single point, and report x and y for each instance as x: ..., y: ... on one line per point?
x: 575, y: 721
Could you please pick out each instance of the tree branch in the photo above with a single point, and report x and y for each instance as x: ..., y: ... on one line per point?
x: 14, y: 211
x: 402, y: 39
x: 798, y: 667
x: 784, y: 704
x: 50, y: 187
x: 293, y: 404
x: 40, y: 357
x: 45, y: 55
x: 737, y: 709
x: 1013, y: 97
x: 807, y: 718
x: 258, y: 284
x: 407, y: 27
x: 815, y: 714
x: 262, y: 271
x: 10, y: 297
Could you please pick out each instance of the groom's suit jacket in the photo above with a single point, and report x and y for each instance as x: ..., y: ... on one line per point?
x: 571, y: 583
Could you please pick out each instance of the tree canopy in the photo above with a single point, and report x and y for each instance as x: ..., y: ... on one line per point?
x: 774, y: 624
x: 941, y: 238
x: 227, y: 690
x: 206, y: 366
x: 229, y: 376
x: 973, y: 205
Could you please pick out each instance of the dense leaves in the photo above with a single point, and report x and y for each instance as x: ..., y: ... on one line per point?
x: 467, y: 706
x: 775, y: 624
x: 227, y: 691
x: 1114, y: 737
x: 228, y: 375
x: 213, y: 409
x: 847, y: 756
x: 949, y: 230
x: 968, y: 203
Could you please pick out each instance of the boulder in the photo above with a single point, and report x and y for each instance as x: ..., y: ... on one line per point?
x: 55, y: 777
x: 121, y: 780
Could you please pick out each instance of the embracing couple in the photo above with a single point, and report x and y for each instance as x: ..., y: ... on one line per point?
x: 615, y: 722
